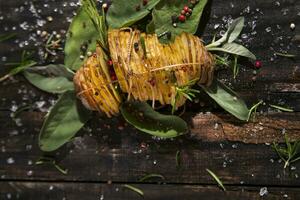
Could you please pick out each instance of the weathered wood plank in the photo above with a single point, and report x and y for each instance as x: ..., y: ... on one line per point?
x: 89, y: 191
x: 111, y: 150
x: 266, y: 128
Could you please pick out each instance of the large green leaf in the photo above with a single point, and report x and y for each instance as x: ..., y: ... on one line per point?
x: 162, y: 18
x: 51, y: 78
x: 228, y: 100
x: 66, y: 117
x: 123, y: 13
x: 144, y: 118
x: 236, y: 49
x: 82, y: 32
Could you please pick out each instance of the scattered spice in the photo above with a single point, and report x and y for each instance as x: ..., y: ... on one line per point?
x: 182, y: 18
x: 258, y: 64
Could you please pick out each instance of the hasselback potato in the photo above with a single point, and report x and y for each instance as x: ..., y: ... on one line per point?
x: 145, y: 69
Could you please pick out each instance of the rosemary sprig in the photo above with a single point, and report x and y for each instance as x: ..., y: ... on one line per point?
x: 285, y: 55
x: 178, y: 159
x: 98, y: 21
x: 290, y: 153
x: 25, y: 63
x: 184, y: 91
x: 149, y: 176
x: 235, y: 66
x: 281, y: 108
x: 4, y: 37
x: 216, y: 179
x: 134, y: 189
x: 51, y: 161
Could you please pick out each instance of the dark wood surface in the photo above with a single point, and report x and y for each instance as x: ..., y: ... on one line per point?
x: 109, y: 153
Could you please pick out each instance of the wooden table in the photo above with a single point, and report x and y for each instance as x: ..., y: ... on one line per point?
x: 109, y: 153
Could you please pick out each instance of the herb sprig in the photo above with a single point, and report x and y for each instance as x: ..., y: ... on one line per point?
x: 290, y: 153
x: 184, y: 91
x: 25, y: 63
x: 216, y: 178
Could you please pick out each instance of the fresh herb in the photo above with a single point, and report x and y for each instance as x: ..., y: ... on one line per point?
x: 285, y: 55
x: 134, y: 189
x: 162, y: 18
x: 25, y: 63
x: 4, y: 37
x: 144, y: 118
x: 290, y: 153
x: 99, y: 22
x: 51, y: 161
x: 184, y: 91
x: 124, y: 13
x: 51, y: 78
x: 216, y: 179
x: 281, y: 108
x: 178, y: 158
x: 227, y: 99
x: 143, y: 44
x: 252, y: 111
x: 66, y: 117
x: 222, y: 60
x: 234, y: 30
x: 20, y: 109
x: 82, y: 37
x: 150, y: 176
x: 235, y: 67
x: 235, y: 49
x: 226, y: 43
x: 52, y: 45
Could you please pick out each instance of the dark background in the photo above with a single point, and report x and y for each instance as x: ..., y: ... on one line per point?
x: 109, y: 153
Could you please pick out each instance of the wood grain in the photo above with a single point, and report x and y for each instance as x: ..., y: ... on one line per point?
x: 91, y: 191
x: 113, y: 151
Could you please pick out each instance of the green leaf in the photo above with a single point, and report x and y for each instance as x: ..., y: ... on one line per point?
x: 281, y: 108
x: 228, y: 100
x: 82, y: 32
x: 150, y: 176
x: 4, y: 37
x: 124, y: 13
x: 134, y: 189
x: 144, y: 118
x: 234, y: 48
x: 25, y: 63
x: 216, y: 179
x: 66, y: 117
x: 53, y: 70
x: 232, y: 33
x: 162, y: 18
x: 54, y: 85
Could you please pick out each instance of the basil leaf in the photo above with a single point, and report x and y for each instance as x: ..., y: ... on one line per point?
x: 66, y: 117
x: 228, y: 100
x: 236, y: 49
x: 81, y: 38
x: 144, y: 118
x: 53, y: 70
x: 49, y: 84
x: 162, y: 18
x: 124, y: 13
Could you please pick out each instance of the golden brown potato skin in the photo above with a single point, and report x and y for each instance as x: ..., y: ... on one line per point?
x: 145, y: 69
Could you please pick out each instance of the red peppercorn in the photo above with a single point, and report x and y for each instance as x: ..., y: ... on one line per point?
x: 110, y: 63
x: 145, y: 2
x: 258, y: 64
x: 181, y: 18
x: 186, y: 9
x: 183, y: 12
